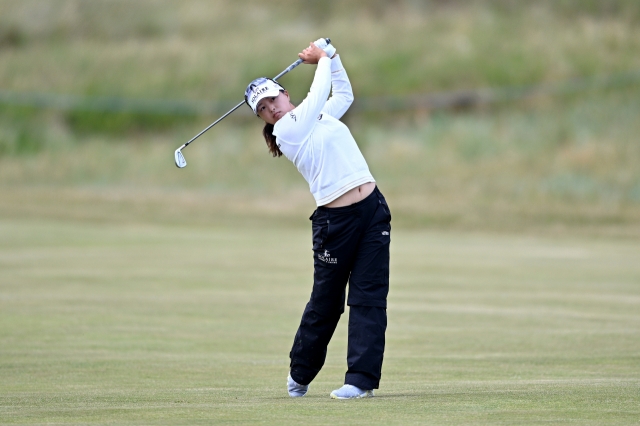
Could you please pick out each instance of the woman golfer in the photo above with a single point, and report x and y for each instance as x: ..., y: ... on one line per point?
x: 351, y: 225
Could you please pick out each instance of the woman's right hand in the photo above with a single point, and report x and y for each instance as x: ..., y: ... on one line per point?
x: 312, y: 54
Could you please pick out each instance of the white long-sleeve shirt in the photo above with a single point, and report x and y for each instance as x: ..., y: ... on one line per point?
x: 317, y: 142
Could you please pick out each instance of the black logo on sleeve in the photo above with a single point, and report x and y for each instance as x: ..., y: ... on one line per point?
x: 293, y: 116
x: 320, y: 117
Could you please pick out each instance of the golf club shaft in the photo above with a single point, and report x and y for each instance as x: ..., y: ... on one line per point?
x: 212, y: 124
x: 289, y: 68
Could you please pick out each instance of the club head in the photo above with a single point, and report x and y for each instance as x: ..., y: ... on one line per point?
x: 180, y: 161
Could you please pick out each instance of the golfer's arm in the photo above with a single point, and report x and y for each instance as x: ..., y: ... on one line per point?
x: 300, y: 122
x: 342, y: 92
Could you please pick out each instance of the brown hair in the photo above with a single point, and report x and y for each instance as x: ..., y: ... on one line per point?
x: 269, y: 137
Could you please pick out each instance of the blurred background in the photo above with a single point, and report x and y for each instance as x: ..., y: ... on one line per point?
x: 485, y: 115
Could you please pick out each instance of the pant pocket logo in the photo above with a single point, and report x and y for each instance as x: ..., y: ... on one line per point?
x: 326, y: 257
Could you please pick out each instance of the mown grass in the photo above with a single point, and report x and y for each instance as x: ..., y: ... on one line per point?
x: 140, y: 324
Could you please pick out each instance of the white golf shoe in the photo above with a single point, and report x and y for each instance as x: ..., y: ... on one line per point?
x: 296, y: 390
x: 351, y: 392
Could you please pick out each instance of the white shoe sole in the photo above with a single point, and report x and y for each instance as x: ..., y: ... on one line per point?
x: 367, y: 394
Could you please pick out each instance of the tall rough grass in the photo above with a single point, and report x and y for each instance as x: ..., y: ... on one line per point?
x: 209, y: 50
x: 565, y: 159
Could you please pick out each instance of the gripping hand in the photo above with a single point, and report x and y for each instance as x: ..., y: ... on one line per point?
x: 327, y: 47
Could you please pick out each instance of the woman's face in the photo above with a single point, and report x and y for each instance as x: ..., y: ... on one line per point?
x: 273, y: 108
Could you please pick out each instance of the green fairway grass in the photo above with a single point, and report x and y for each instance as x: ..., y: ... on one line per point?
x: 118, y: 323
x: 134, y: 292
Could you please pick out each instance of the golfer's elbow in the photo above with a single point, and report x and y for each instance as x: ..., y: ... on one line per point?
x: 347, y: 98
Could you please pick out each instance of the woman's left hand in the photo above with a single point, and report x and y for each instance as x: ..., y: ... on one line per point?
x: 312, y: 54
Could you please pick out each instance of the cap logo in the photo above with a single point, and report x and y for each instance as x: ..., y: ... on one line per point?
x: 258, y: 92
x: 260, y: 88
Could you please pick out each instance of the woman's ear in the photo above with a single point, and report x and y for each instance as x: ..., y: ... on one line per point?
x: 289, y: 99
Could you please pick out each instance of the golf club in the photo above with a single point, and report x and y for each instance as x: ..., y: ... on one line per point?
x: 180, y: 160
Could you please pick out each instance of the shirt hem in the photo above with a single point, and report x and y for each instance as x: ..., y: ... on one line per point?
x: 343, y: 189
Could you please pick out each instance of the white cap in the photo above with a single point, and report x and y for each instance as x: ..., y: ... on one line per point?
x: 261, y: 88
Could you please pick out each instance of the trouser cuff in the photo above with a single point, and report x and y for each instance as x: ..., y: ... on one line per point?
x: 360, y: 381
x: 301, y: 379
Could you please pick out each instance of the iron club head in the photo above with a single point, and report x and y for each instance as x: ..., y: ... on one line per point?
x: 180, y: 161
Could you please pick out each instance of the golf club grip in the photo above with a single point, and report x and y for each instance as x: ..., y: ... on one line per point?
x: 295, y: 64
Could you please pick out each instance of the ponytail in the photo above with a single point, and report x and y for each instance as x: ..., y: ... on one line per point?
x: 267, y: 132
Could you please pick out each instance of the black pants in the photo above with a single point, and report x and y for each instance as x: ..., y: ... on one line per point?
x: 350, y: 244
